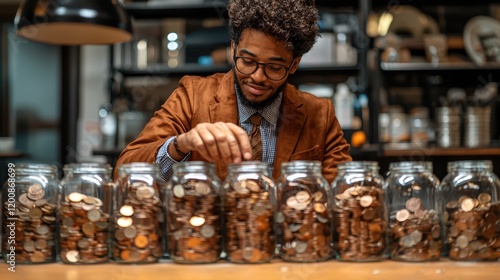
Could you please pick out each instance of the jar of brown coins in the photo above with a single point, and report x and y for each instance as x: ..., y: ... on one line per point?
x: 303, y: 219
x: 249, y: 203
x: 359, y: 211
x: 469, y: 200
x: 414, y: 223
x: 194, y: 213
x: 29, y: 199
x: 138, y: 215
x: 84, y: 214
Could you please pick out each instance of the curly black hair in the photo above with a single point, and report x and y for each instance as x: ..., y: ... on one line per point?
x: 294, y: 22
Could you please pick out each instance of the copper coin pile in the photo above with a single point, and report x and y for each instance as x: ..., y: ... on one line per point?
x: 34, y: 227
x: 473, y: 228
x: 359, y: 218
x: 249, y: 222
x: 194, y: 222
x: 138, y: 226
x: 304, y: 223
x: 414, y: 233
x: 83, y: 229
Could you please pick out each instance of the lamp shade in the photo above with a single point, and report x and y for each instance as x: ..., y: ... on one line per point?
x: 73, y: 22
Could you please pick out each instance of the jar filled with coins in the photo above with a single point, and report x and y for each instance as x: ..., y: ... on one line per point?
x: 414, y: 223
x: 303, y: 219
x: 249, y: 196
x: 469, y: 200
x: 194, y: 213
x: 84, y: 214
x: 29, y: 200
x: 138, y: 215
x: 359, y: 211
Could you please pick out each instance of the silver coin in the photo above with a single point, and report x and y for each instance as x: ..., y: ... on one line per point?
x: 279, y: 217
x: 202, y: 188
x: 130, y: 232
x: 207, y: 231
x: 178, y: 191
x: 72, y: 256
x: 94, y: 215
x: 300, y: 247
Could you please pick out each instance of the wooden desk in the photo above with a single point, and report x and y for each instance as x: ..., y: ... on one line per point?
x: 277, y: 270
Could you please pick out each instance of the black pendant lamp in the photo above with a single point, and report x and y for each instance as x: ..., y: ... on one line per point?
x: 73, y: 22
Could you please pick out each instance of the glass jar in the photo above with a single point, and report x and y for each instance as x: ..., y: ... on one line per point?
x: 359, y: 212
x: 138, y: 214
x: 194, y: 213
x: 469, y: 200
x: 249, y: 203
x: 303, y: 219
x: 84, y: 209
x: 414, y: 224
x: 29, y: 198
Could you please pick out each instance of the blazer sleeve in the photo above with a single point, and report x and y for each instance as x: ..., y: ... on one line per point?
x: 173, y: 118
x: 336, y: 146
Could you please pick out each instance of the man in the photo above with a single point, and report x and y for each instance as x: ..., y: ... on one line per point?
x: 209, y: 118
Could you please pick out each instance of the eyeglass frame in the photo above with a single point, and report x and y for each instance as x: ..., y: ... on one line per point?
x: 264, y: 64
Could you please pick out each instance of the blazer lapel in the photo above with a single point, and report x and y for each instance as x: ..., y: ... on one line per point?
x: 290, y: 125
x: 225, y: 109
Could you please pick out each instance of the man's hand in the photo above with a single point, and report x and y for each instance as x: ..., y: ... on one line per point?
x: 213, y: 141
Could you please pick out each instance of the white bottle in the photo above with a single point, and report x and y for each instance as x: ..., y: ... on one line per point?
x: 344, y: 105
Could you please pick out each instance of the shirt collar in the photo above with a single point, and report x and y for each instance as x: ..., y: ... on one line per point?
x: 270, y: 113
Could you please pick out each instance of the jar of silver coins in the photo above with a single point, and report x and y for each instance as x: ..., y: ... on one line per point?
x: 359, y: 211
x: 29, y: 199
x: 194, y: 213
x: 469, y: 200
x: 414, y: 223
x: 138, y: 214
x: 303, y: 217
x: 84, y: 209
x: 249, y: 203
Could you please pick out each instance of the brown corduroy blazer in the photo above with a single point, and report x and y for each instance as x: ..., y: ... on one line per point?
x: 307, y: 126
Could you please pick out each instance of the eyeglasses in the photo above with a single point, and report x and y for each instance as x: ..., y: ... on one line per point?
x: 273, y: 71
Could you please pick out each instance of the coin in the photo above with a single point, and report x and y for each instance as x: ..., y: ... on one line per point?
x: 72, y: 256
x: 119, y: 235
x: 300, y: 246
x: 207, y: 231
x: 42, y: 230
x: 196, y: 221
x: 35, y: 189
x: 89, y: 200
x: 141, y: 241
x: 279, y: 217
x: 319, y: 207
x: 178, y: 191
x: 252, y: 186
x: 416, y: 236
x: 484, y: 198
x: 40, y: 202
x: 130, y: 232
x: 292, y: 202
x: 462, y: 241
x: 467, y: 204
x: 25, y: 201
x: 127, y: 210
x: 29, y: 245
x: 318, y: 196
x: 259, y: 209
x: 88, y: 228
x: 402, y: 215
x: 83, y: 243
x: 37, y: 257
x: 366, y: 200
x: 35, y: 213
x: 202, y: 188
x: 413, y: 204
x: 145, y: 192
x: 124, y: 222
x: 94, y: 215
x: 76, y: 197
x: 302, y: 196
x: 40, y: 244
x: 67, y: 222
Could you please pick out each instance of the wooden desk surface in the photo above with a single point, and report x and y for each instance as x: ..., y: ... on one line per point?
x: 330, y: 270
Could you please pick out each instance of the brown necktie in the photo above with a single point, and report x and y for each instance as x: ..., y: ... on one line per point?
x: 255, y: 138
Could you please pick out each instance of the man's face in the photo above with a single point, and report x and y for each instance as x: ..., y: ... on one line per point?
x: 257, y: 87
